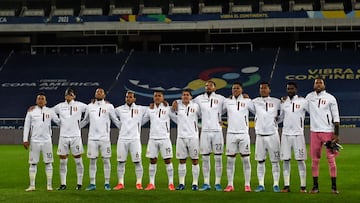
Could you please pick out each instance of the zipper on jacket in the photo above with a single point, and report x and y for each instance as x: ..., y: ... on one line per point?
x: 327, y: 117
x: 99, y: 111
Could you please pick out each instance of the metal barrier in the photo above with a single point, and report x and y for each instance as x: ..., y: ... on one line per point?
x: 73, y: 49
x: 327, y: 45
x: 234, y: 47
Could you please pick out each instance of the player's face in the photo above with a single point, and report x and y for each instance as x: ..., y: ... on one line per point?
x: 130, y: 98
x: 158, y: 98
x: 69, y: 97
x: 319, y: 85
x: 236, y: 90
x: 264, y: 90
x: 210, y: 87
x: 291, y: 90
x: 99, y: 94
x: 41, y: 100
x: 186, y: 97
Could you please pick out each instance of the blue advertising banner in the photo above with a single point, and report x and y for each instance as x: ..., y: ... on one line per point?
x: 26, y: 75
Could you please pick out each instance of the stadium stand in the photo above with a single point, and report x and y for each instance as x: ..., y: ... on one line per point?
x: 270, y: 6
x: 208, y: 6
x: 152, y: 7
x: 180, y: 7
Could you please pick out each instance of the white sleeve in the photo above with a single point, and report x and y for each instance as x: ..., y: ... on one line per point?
x: 281, y: 116
x: 27, y: 125
x: 173, y: 115
x: 251, y: 107
x: 113, y: 116
x: 56, y: 108
x: 146, y: 116
x: 54, y: 117
x: 334, y: 110
x: 86, y: 118
x: 224, y: 109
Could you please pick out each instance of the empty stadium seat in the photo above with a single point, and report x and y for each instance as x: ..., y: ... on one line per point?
x: 90, y: 11
x: 7, y: 12
x: 120, y: 10
x: 149, y: 10
x: 209, y: 8
x: 240, y: 9
x: 179, y: 9
x: 63, y: 12
x: 331, y: 6
x: 302, y: 7
x: 269, y: 6
x: 32, y: 12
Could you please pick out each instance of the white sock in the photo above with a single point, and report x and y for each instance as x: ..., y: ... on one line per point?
x: 63, y: 171
x: 92, y: 171
x: 302, y: 173
x: 107, y: 170
x: 152, y: 173
x: 49, y: 173
x: 218, y: 168
x: 139, y: 171
x: 79, y: 170
x: 121, y: 172
x: 276, y: 172
x: 246, y: 169
x: 261, y: 172
x: 195, y: 173
x: 286, y: 172
x: 170, y: 173
x: 32, y: 174
x: 182, y: 173
x: 230, y: 168
x: 206, y: 168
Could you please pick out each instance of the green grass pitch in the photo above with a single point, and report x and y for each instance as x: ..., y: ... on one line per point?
x: 14, y: 179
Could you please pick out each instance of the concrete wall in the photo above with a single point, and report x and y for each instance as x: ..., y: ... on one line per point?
x: 14, y: 136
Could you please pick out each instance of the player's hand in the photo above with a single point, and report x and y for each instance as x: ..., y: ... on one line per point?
x: 246, y: 96
x: 283, y: 99
x: 165, y: 103
x: 31, y: 108
x: 26, y: 145
x: 175, y: 105
x: 336, y: 139
x: 151, y: 105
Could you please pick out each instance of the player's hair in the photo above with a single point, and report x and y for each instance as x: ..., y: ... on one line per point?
x: 159, y: 91
x: 211, y: 81
x: 187, y: 90
x: 238, y: 83
x: 98, y: 88
x: 319, y: 78
x: 41, y: 94
x: 70, y: 91
x: 265, y: 83
x: 293, y: 84
x: 131, y: 92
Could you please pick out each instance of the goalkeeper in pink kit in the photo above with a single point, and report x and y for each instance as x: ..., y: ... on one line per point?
x: 324, y: 127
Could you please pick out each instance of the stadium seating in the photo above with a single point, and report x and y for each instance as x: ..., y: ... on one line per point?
x: 331, y: 5
x: 144, y: 7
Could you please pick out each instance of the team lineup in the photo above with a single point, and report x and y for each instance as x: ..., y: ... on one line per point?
x: 192, y: 141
